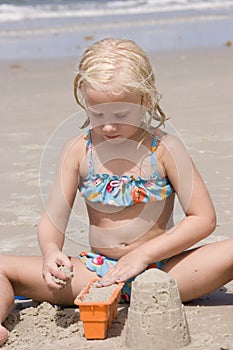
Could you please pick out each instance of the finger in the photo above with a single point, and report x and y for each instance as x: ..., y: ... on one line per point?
x: 105, y: 281
x: 55, y: 272
x: 62, y: 279
x: 61, y: 272
x: 120, y: 279
x: 64, y: 260
x: 67, y: 262
x: 108, y: 280
x: 51, y: 283
x: 67, y: 273
x: 55, y: 277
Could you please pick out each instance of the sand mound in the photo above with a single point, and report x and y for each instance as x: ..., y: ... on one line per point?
x: 47, y: 327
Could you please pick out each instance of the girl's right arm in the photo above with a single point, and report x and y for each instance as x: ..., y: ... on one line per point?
x: 51, y: 241
x: 51, y: 232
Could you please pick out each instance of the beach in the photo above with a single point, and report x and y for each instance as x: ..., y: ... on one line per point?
x: 37, y: 99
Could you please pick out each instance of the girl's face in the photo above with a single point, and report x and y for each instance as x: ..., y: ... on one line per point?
x: 114, y: 117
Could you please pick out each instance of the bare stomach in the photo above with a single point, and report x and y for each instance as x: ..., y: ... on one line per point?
x: 114, y: 234
x: 115, y: 250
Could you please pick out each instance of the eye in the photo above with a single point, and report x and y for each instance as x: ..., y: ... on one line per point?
x: 95, y: 114
x: 120, y: 115
x: 98, y: 115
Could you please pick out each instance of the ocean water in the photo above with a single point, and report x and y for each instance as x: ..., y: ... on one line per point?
x: 38, y: 28
x: 20, y: 10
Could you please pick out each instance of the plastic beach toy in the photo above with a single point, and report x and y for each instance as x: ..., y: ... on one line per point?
x: 97, y: 316
x: 19, y: 297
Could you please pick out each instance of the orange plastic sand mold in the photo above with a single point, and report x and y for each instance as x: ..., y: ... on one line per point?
x: 97, y: 317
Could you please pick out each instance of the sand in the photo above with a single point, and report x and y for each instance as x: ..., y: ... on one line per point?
x: 36, y: 96
x: 67, y: 272
x: 96, y: 294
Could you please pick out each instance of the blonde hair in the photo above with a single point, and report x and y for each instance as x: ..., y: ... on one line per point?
x: 116, y: 66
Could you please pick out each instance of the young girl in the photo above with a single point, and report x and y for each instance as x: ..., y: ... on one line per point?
x: 128, y: 171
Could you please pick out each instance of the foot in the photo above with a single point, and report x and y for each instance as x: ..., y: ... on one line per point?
x: 3, y: 335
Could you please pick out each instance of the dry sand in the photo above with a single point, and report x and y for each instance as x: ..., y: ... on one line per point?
x: 36, y: 96
x: 96, y: 294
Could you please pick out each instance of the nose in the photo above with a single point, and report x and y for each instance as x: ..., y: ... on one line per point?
x: 109, y: 127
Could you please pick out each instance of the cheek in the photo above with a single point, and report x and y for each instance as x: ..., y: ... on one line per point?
x: 95, y: 123
x: 136, y: 117
x: 98, y: 129
x: 134, y: 122
x: 127, y: 130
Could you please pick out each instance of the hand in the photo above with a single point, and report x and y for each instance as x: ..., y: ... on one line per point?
x: 54, y: 277
x: 128, y: 266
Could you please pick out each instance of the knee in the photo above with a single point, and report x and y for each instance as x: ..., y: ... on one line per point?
x: 5, y: 266
x: 2, y: 267
x: 6, y: 280
x: 231, y: 249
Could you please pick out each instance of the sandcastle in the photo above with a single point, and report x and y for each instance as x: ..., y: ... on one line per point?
x: 156, y: 317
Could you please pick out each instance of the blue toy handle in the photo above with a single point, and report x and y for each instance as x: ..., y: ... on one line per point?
x: 18, y: 297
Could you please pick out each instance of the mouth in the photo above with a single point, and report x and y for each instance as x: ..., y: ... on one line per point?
x: 111, y: 137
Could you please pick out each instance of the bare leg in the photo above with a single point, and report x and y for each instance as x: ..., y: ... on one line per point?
x: 23, y: 276
x: 6, y: 294
x: 202, y: 270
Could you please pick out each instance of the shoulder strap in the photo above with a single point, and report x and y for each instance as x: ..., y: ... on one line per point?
x: 89, y: 151
x: 154, y: 145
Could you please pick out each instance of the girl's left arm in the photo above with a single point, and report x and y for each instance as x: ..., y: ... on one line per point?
x: 199, y: 214
x: 199, y: 220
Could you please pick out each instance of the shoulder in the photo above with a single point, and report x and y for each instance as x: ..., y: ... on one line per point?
x: 167, y: 139
x: 173, y: 156
x: 170, y: 145
x: 74, y: 149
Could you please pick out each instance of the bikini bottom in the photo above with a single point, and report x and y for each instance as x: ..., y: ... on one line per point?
x: 102, y: 264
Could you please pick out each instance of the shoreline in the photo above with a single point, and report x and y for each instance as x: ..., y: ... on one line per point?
x: 161, y: 32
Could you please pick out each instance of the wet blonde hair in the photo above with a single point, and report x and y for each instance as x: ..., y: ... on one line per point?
x: 116, y: 66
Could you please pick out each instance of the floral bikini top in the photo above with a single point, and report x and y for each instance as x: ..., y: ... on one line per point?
x: 124, y: 191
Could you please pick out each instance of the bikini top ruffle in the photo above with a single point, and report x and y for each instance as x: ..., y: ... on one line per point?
x: 124, y: 191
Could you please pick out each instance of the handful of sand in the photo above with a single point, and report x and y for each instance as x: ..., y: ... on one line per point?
x: 67, y: 272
